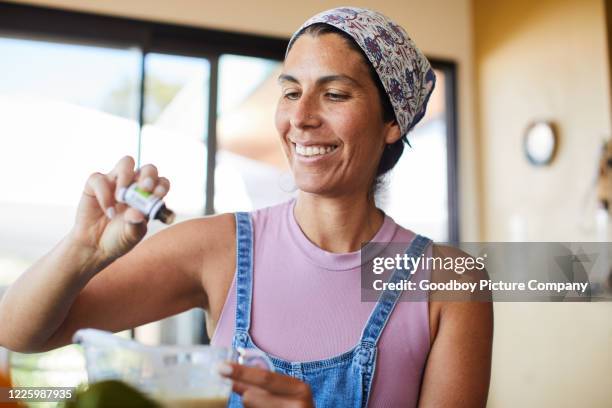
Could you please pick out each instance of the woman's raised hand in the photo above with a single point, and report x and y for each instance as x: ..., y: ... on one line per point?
x: 103, y: 224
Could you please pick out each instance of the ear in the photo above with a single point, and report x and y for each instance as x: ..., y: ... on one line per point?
x: 392, y: 132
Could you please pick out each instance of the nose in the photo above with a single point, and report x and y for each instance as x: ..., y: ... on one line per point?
x: 305, y: 112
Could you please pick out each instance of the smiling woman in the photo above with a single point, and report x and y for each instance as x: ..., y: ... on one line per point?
x: 340, y: 129
x: 392, y: 151
x: 329, y: 100
x: 283, y: 279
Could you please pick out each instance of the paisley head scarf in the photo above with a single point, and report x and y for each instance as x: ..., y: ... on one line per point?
x: 403, y: 70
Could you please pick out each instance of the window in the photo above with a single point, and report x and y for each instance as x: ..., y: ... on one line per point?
x: 251, y: 169
x: 174, y: 134
x: 419, y: 193
x: 58, y: 126
x: 75, y: 99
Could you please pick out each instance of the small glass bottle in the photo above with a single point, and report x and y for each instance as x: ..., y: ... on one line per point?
x: 150, y: 205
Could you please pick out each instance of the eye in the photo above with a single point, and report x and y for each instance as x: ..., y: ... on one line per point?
x: 291, y: 95
x: 334, y: 96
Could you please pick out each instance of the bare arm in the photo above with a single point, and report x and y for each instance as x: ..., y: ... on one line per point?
x: 114, y: 284
x: 163, y: 275
x: 458, y: 368
x: 459, y: 365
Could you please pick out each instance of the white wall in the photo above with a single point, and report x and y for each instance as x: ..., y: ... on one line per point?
x: 544, y: 59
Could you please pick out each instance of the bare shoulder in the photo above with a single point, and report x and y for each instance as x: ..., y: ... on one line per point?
x: 449, y: 251
x: 209, y: 229
x: 455, y: 265
x: 205, y: 234
x: 211, y: 244
x: 218, y: 262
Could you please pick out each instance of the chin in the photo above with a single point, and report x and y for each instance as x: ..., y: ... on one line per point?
x: 312, y: 185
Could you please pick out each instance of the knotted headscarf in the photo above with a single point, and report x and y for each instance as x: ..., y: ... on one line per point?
x: 403, y: 70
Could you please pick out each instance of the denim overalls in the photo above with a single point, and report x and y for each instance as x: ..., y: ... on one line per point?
x: 341, y: 381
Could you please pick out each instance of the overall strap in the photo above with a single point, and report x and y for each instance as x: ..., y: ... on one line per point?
x: 244, y: 270
x: 389, y: 298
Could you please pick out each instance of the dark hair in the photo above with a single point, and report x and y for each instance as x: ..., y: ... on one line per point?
x: 392, y: 152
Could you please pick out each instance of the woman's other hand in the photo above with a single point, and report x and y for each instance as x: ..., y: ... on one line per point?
x: 261, y: 388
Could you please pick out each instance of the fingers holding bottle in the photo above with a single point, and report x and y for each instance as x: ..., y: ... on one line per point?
x: 149, y: 180
x: 115, y: 207
x: 123, y: 174
x: 98, y: 196
x: 162, y: 187
x: 136, y: 194
x: 146, y: 195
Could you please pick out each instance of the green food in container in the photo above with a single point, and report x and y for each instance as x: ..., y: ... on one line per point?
x: 110, y: 394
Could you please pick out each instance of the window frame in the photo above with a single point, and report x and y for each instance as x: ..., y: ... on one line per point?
x: 149, y: 37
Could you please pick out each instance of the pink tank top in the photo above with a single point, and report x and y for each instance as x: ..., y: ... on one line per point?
x: 307, y: 306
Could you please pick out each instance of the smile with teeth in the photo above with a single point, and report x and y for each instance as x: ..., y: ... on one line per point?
x: 317, y: 150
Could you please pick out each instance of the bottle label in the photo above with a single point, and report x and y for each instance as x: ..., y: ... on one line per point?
x: 140, y: 199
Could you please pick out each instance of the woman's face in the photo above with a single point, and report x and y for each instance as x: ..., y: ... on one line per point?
x: 329, y: 117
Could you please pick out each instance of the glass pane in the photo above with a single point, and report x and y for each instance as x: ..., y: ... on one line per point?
x: 63, y: 367
x: 67, y: 110
x: 174, y: 139
x: 174, y: 133
x: 251, y: 171
x: 416, y: 191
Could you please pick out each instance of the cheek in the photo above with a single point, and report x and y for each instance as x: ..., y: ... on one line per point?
x: 281, y: 119
x: 358, y: 128
x: 362, y: 135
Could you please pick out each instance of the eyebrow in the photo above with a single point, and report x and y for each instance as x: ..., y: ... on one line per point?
x: 321, y: 80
